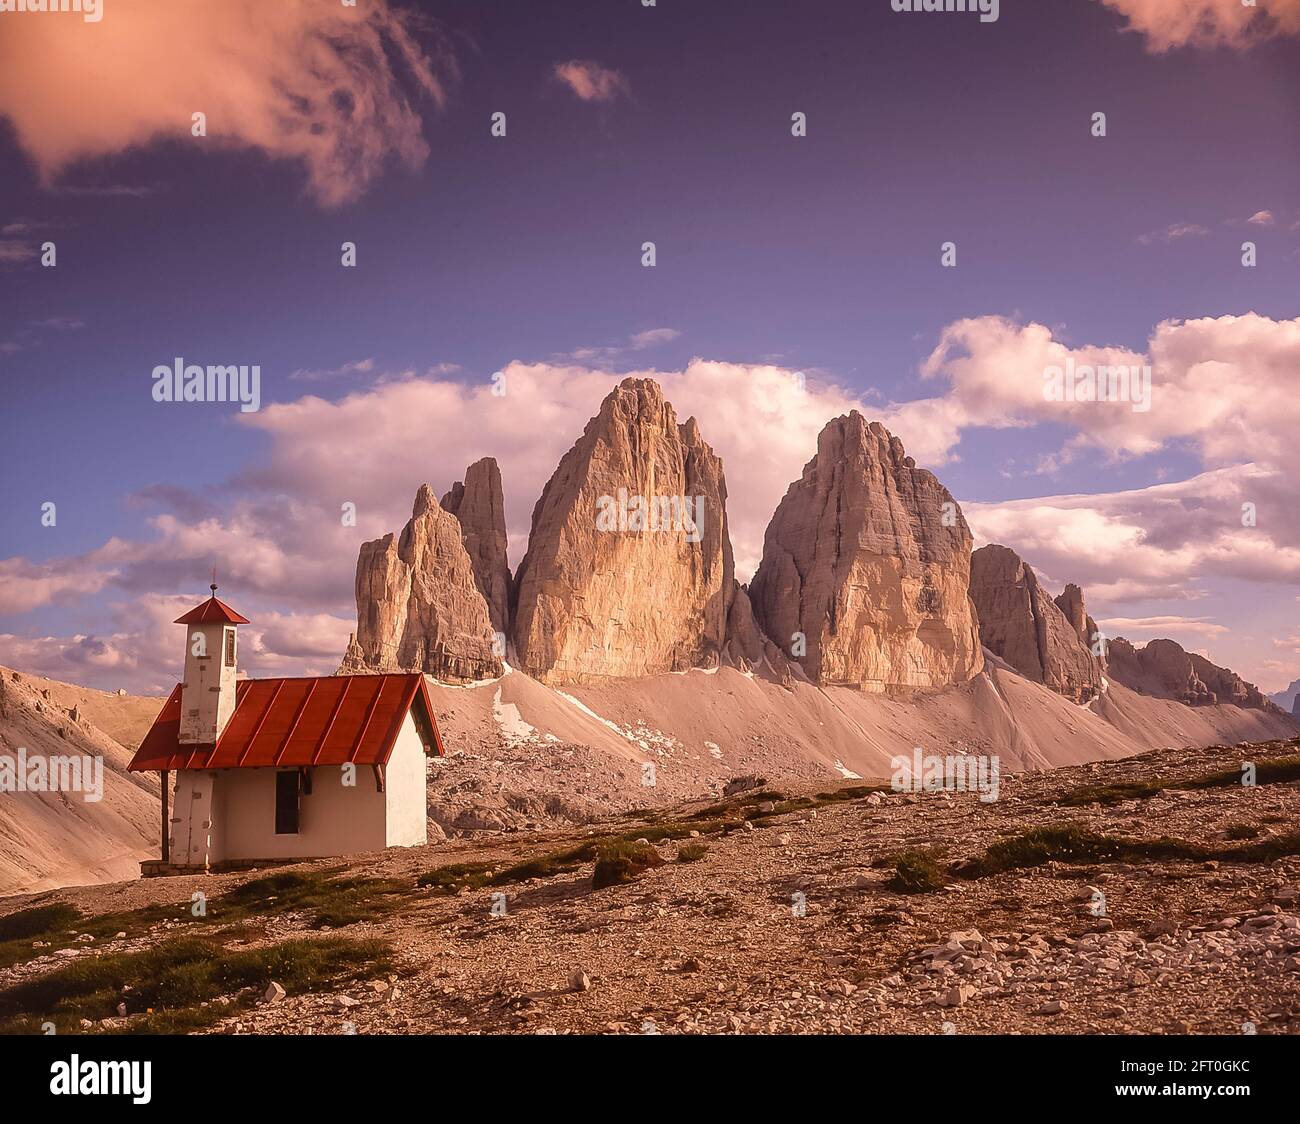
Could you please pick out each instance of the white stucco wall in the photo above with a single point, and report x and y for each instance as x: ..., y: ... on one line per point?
x: 334, y: 820
x: 406, y: 793
x: 191, y: 810
x: 239, y: 806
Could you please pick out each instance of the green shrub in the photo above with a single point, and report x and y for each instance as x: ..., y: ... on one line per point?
x: 621, y: 861
x: 920, y: 872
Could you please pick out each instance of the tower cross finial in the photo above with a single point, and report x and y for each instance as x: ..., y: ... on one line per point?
x: 213, y: 586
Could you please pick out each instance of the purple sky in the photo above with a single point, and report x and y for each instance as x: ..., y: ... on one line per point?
x: 776, y: 255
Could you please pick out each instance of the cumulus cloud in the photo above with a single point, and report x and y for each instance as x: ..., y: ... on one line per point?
x: 1221, y: 384
x: 27, y: 585
x: 1166, y: 24
x: 145, y: 650
x: 590, y: 81
x: 1167, y: 542
x: 1262, y: 218
x: 321, y: 84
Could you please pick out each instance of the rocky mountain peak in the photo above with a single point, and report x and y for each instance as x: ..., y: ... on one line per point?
x: 1164, y: 669
x: 478, y: 504
x: 866, y: 566
x: 629, y: 566
x: 1042, y: 638
x: 419, y: 607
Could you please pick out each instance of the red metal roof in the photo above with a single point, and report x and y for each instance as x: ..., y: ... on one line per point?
x: 321, y: 721
x: 211, y: 611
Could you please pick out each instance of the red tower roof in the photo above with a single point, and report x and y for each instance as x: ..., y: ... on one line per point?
x: 211, y: 611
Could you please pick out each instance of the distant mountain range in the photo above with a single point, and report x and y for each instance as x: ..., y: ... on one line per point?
x: 867, y: 578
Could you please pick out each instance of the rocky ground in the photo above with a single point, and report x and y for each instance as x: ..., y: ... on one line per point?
x: 791, y: 925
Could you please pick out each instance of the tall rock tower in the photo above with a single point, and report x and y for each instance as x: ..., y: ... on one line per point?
x: 629, y: 565
x: 866, y: 568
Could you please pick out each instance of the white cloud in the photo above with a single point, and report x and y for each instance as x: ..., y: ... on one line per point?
x: 653, y: 338
x: 1223, y: 385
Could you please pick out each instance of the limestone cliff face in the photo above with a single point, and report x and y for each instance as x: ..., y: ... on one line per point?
x: 418, y: 605
x: 1164, y: 669
x: 477, y: 503
x: 1041, y: 638
x: 866, y: 567
x: 629, y: 565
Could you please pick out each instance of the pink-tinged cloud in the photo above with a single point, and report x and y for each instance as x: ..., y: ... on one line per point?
x: 26, y: 585
x: 1172, y: 233
x: 1166, y: 542
x: 1166, y: 24
x: 590, y: 81
x: 1223, y: 384
x: 332, y: 87
x: 1144, y: 627
x: 144, y: 651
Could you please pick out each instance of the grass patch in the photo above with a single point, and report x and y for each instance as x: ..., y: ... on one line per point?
x: 852, y: 792
x: 621, y: 861
x: 176, y: 976
x: 454, y: 877
x: 55, y: 923
x: 692, y: 852
x: 1077, y: 845
x: 1278, y: 770
x: 450, y: 878
x: 920, y: 872
x: 331, y: 901
x: 32, y: 924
